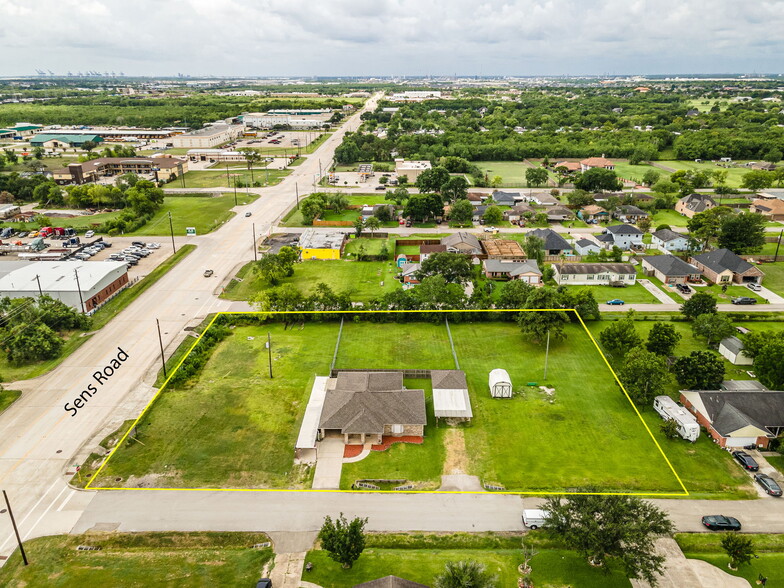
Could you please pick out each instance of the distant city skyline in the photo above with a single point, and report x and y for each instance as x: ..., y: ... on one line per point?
x: 391, y: 37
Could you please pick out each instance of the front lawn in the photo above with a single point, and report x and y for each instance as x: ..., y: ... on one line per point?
x: 636, y: 294
x: 205, y: 213
x: 774, y: 276
x: 368, y: 246
x: 733, y: 291
x: 668, y: 217
x: 216, y: 178
x: 140, y: 559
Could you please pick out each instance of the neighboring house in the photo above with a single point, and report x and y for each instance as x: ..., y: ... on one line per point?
x: 593, y: 212
x: 162, y: 168
x: 479, y: 212
x: 462, y: 242
x: 518, y: 211
x: 559, y: 214
x: 628, y: 213
x: 593, y: 162
x: 773, y: 208
x: 668, y: 240
x: 507, y: 249
x: 364, y: 406
x: 625, y: 236
x: 476, y: 198
x: 732, y: 349
x: 408, y: 275
x: 642, y: 198
x: 586, y: 247
x: 571, y: 166
x: 321, y: 244
x: 542, y: 199
x: 594, y: 274
x: 554, y: 244
x: 737, y: 419
x: 724, y: 267
x: 670, y: 269
x: 693, y: 204
x: 450, y: 395
x: 505, y: 198
x: 501, y: 269
x: 426, y: 251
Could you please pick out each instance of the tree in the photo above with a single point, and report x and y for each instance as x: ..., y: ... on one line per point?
x: 650, y: 177
x: 598, y: 179
x: 743, y: 233
x: 699, y: 303
x: 310, y: 208
x: 579, y: 198
x: 773, y: 155
x: 456, y: 188
x: 665, y: 187
x: 757, y: 180
x: 38, y: 152
x: 644, y: 375
x: 383, y: 180
x: 344, y: 541
x: 768, y: 362
x: 582, y: 301
x: 644, y: 224
x: 359, y: 224
x: 713, y: 326
x: 535, y: 176
x: 621, y: 336
x: 739, y: 548
x: 32, y: 342
x: 537, y: 325
x: 89, y: 146
x: 252, y: 157
x: 398, y: 196
x: 493, y: 215
x: 669, y: 428
x: 700, y: 370
x: 454, y: 267
x: 423, y: 206
x: 514, y: 294
x: 435, y: 293
x: 7, y: 198
x: 496, y: 181
x: 462, y: 212
x: 706, y: 225
x: 372, y: 224
x: 534, y: 248
x: 465, y: 574
x: 431, y: 180
x: 618, y: 527
x: 662, y: 339
x: 273, y: 267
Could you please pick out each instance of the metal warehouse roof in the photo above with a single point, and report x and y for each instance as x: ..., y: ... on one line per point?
x: 58, y: 276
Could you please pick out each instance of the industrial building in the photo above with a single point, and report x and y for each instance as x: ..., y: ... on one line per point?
x: 295, y: 119
x: 82, y: 285
x: 21, y: 129
x: 411, y: 169
x: 316, y: 244
x: 124, y: 134
x: 162, y: 168
x: 207, y: 137
x: 63, y: 141
x: 215, y: 155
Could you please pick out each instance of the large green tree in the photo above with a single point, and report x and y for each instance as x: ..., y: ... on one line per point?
x: 343, y: 540
x: 699, y: 303
x: 598, y: 179
x: 432, y: 180
x: 422, y: 207
x: 621, y: 336
x: 453, y: 267
x: 713, y: 327
x: 768, y: 364
x: 644, y: 375
x: 700, y: 370
x: 535, y: 176
x: 537, y: 325
x: 757, y: 180
x: 493, y: 215
x: 705, y: 226
x: 455, y: 188
x: 461, y: 212
x: 739, y: 548
x: 662, y: 339
x: 621, y: 528
x: 743, y: 233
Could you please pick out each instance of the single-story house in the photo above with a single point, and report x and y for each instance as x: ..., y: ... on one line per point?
x: 628, y: 213
x: 505, y: 198
x: 722, y: 266
x: 364, y: 406
x: 571, y: 166
x: 593, y: 162
x: 542, y: 199
x: 737, y: 419
x: 732, y: 349
x: 559, y: 214
x: 693, y: 204
x: 594, y: 274
x: 508, y: 249
x: 593, y: 212
x: 479, y: 212
x: 668, y: 240
x: 772, y: 208
x: 625, y: 236
x: 462, y: 242
x: 450, y: 394
x: 586, y: 247
x: 408, y: 275
x: 518, y: 211
x: 502, y: 269
x: 554, y: 244
x: 670, y: 269
x: 426, y: 251
x: 476, y: 198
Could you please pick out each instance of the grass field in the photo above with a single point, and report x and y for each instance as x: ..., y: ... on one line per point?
x: 216, y: 178
x: 8, y: 397
x: 511, y: 172
x: 136, y: 560
x: 369, y: 246
x: 205, y: 213
x: 734, y: 175
x: 732, y: 292
x: 668, y: 217
x: 635, y: 294
x: 769, y: 548
x: 635, y: 172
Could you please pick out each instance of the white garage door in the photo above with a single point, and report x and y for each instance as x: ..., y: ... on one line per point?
x: 740, y: 441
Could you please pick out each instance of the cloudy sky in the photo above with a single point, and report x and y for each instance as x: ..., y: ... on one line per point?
x: 391, y: 37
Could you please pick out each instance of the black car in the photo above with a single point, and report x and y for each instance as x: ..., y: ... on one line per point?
x: 745, y: 460
x: 138, y: 244
x: 744, y: 300
x: 721, y: 523
x: 768, y: 484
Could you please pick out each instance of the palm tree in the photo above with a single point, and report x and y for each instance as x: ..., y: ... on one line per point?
x: 465, y: 574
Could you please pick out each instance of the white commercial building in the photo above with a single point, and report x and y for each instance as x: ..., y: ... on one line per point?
x: 207, y: 137
x: 411, y: 169
x: 215, y: 155
x: 295, y: 119
x: 415, y: 96
x: 83, y: 285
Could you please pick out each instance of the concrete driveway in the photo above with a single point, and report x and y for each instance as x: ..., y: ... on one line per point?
x: 329, y: 464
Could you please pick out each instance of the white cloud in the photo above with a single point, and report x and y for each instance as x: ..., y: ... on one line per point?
x: 356, y: 37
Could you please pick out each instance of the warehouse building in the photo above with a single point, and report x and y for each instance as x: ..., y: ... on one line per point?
x: 320, y: 244
x: 207, y: 137
x: 83, y: 285
x: 295, y: 119
x: 63, y: 141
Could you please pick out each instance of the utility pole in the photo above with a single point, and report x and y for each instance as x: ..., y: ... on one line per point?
x: 160, y: 341
x: 79, y: 289
x: 16, y: 531
x: 235, y: 189
x: 778, y: 244
x: 547, y: 355
x: 255, y: 249
x: 228, y: 181
x: 37, y: 279
x: 171, y: 229
x: 269, y: 349
x: 296, y: 189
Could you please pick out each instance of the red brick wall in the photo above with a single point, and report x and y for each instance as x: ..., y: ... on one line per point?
x: 94, y: 301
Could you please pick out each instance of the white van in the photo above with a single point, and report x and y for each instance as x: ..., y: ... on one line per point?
x: 534, y: 518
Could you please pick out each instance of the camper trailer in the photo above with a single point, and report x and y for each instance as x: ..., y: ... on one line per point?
x: 670, y: 410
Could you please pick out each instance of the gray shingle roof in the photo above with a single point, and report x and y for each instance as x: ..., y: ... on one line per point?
x: 723, y: 259
x: 390, y: 582
x: 698, y: 202
x: 585, y: 243
x: 552, y: 240
x: 671, y: 265
x: 667, y: 235
x: 513, y: 268
x: 631, y: 209
x: 504, y: 198
x: 595, y: 268
x: 448, y: 379
x: 624, y: 230
x: 730, y: 411
x: 732, y: 344
x: 461, y: 238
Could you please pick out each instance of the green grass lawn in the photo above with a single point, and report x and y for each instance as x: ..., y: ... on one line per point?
x: 136, y: 560
x: 520, y: 442
x: 668, y: 217
x: 233, y: 427
x: 8, y: 397
x: 205, y: 213
x: 769, y: 548
x: 732, y: 292
x: 511, y: 172
x: 420, y: 464
x: 370, y: 246
x: 362, y: 278
x: 774, y: 276
x: 734, y: 175
x: 777, y: 461
x: 635, y: 172
x: 216, y: 178
x: 635, y: 294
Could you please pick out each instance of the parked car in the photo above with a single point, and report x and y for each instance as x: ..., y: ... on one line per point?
x: 208, y: 273
x: 768, y: 484
x: 247, y: 213
x: 489, y: 229
x: 744, y: 300
x: 381, y: 187
x: 89, y: 234
x: 745, y: 460
x: 153, y: 245
x: 754, y: 286
x: 616, y: 302
x: 721, y: 523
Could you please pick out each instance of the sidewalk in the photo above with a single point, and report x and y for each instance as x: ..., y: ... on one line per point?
x: 654, y: 289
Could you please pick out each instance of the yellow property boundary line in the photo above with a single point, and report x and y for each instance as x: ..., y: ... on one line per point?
x: 685, y: 492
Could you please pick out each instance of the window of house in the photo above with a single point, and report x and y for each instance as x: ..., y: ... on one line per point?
x: 397, y: 429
